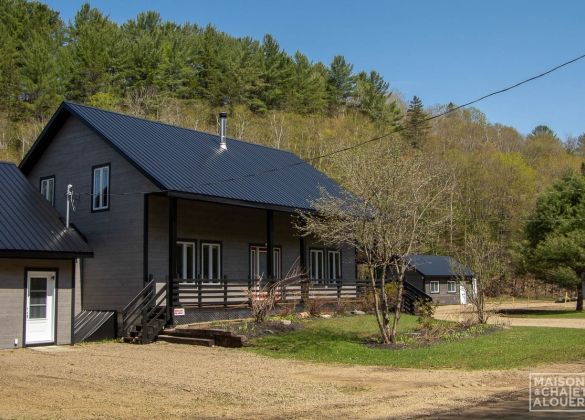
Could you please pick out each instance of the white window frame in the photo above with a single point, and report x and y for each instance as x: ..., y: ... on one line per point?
x: 255, y: 253
x: 210, y: 247
x: 184, y: 250
x: 317, y: 272
x: 451, y: 283
x: 103, y: 200
x: 432, y: 283
x: 48, y: 189
x: 334, y: 271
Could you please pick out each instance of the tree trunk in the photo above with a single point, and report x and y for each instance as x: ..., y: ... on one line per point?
x: 379, y: 317
x: 580, y: 296
x: 398, y: 309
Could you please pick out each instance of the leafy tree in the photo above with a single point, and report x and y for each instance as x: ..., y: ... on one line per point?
x: 555, y: 248
x: 416, y: 126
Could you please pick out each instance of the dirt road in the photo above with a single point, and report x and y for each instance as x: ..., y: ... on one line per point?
x: 164, y: 380
x: 459, y: 312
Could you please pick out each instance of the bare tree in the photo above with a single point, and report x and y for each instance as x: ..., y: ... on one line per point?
x: 264, y: 295
x: 397, y: 202
x: 482, y: 255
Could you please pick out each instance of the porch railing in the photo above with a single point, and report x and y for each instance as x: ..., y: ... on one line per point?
x: 237, y: 293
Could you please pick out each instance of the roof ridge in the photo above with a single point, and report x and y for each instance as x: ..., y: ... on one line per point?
x: 178, y: 126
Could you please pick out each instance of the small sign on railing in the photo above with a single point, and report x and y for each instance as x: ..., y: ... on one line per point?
x: 178, y: 311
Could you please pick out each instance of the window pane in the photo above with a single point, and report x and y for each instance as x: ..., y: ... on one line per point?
x: 36, y: 312
x: 38, y: 284
x: 96, y: 189
x: 205, y: 262
x: 190, y: 262
x: 216, y: 262
x: 105, y: 186
x: 38, y: 298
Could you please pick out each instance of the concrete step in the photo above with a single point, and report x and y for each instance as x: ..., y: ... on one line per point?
x: 207, y: 342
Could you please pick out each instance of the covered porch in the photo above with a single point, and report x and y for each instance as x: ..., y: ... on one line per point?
x: 210, y: 255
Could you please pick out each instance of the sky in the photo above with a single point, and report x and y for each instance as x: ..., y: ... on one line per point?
x: 442, y: 51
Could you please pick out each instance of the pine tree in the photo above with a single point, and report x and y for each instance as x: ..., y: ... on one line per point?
x: 340, y: 83
x: 416, y: 126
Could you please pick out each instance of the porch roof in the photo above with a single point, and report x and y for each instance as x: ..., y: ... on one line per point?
x: 29, y: 226
x: 187, y: 161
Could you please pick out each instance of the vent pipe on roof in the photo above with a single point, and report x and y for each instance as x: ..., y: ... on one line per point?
x: 222, y: 130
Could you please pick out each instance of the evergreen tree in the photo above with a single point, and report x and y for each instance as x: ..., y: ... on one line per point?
x: 276, y: 74
x: 371, y: 96
x: 93, y: 45
x: 340, y: 83
x: 416, y: 126
x: 307, y: 94
x: 555, y: 233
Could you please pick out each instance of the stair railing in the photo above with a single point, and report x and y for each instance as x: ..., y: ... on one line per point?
x: 146, y: 309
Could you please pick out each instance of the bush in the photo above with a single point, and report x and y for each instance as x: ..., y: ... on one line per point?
x: 315, y: 306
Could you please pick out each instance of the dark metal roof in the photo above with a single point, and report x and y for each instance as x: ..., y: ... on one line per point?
x: 187, y: 161
x: 438, y: 266
x: 29, y: 225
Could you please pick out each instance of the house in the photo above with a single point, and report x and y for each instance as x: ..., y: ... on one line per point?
x: 443, y: 278
x: 38, y: 255
x: 198, y: 215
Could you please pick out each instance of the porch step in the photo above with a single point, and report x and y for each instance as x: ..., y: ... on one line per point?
x: 186, y: 340
x: 221, y: 338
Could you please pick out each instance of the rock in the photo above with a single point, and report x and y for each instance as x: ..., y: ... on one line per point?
x: 358, y: 312
x: 326, y: 316
x: 286, y: 322
x: 303, y: 315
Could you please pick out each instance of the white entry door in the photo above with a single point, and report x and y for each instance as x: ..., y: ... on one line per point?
x: 463, y: 293
x: 40, y: 307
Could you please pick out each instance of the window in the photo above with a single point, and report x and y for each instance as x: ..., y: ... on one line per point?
x: 185, y: 260
x: 434, y: 287
x: 316, y: 264
x: 258, y: 264
x: 210, y: 261
x: 334, y: 264
x: 38, y: 298
x: 101, y: 188
x: 451, y: 287
x: 48, y: 189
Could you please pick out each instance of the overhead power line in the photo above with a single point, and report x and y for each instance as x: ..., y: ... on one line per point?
x: 399, y: 129
x: 383, y: 136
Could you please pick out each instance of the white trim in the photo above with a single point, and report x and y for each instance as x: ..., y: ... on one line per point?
x: 432, y: 283
x: 185, y: 269
x: 103, y: 178
x: 316, y: 271
x: 449, y: 283
x: 48, y: 189
x: 334, y: 270
x: 210, y: 268
x: 40, y: 330
x: 256, y: 252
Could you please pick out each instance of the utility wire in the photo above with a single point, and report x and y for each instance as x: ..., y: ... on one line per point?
x: 399, y: 129
x: 383, y: 136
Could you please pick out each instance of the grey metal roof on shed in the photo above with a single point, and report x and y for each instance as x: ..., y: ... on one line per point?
x: 189, y: 161
x: 439, y: 266
x: 29, y: 225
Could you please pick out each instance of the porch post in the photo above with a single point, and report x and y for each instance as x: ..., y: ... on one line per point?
x: 303, y: 267
x: 269, y: 244
x: 145, y: 238
x: 171, y: 299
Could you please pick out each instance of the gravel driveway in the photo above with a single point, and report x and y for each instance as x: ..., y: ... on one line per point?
x: 460, y: 312
x: 114, y: 380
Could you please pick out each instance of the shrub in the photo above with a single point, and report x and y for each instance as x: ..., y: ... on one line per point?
x: 315, y: 306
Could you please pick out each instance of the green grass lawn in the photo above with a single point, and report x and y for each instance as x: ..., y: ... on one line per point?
x: 340, y: 340
x: 540, y: 313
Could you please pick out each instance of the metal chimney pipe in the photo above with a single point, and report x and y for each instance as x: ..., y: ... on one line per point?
x: 222, y: 130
